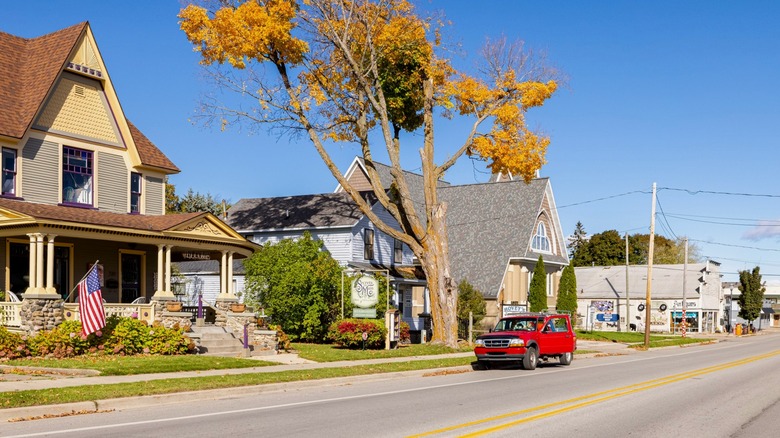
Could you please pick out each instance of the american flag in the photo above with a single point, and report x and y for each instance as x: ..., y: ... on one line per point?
x: 91, y: 313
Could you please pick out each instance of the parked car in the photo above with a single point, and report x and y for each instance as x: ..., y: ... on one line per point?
x: 528, y: 338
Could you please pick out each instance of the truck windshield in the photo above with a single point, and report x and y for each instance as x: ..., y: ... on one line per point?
x: 527, y: 324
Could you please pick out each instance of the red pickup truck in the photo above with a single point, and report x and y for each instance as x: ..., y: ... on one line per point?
x: 528, y: 338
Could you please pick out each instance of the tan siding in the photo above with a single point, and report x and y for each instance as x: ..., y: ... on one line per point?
x: 40, y: 172
x: 546, y: 218
x: 154, y: 190
x: 359, y: 180
x: 77, y: 106
x: 112, y: 179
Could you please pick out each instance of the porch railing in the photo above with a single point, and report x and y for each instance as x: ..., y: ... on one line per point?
x: 144, y: 312
x: 11, y: 314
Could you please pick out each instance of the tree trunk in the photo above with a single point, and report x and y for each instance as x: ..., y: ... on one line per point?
x: 436, y: 265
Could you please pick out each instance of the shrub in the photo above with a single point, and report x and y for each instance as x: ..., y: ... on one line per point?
x: 63, y: 341
x: 406, y: 337
x: 282, y: 340
x: 128, y: 337
x: 12, y: 345
x: 168, y: 341
x: 349, y: 333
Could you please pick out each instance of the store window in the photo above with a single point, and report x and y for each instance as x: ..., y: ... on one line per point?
x: 398, y: 251
x: 540, y: 241
x: 368, y: 244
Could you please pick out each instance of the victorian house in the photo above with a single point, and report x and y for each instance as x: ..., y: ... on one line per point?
x: 81, y: 184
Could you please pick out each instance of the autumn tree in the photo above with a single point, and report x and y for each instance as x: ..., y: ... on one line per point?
x: 363, y: 72
x: 752, y: 291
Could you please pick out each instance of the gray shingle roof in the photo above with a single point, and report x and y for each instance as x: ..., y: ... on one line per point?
x: 293, y: 212
x: 490, y: 223
x: 610, y: 281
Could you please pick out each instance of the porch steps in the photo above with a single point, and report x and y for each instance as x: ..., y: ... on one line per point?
x: 216, y: 341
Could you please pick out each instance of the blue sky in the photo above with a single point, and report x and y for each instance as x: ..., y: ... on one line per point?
x: 684, y: 94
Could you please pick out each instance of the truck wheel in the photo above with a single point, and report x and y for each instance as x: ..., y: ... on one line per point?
x: 483, y: 365
x: 566, y: 358
x: 530, y: 359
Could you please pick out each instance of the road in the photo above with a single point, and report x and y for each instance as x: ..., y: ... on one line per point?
x: 727, y: 389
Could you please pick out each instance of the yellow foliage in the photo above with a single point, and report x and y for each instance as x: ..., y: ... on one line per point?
x: 249, y: 31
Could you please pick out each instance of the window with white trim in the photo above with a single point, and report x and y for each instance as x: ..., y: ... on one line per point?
x: 135, y: 192
x: 77, y: 176
x: 9, y: 172
x: 540, y: 241
x: 398, y: 251
x: 368, y: 244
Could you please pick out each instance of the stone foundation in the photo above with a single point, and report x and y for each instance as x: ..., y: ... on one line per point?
x: 263, y: 342
x: 41, y: 314
x: 174, y: 319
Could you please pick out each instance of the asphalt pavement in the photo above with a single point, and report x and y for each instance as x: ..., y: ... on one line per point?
x: 38, y: 378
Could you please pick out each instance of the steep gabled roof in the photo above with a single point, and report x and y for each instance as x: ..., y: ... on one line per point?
x: 489, y: 224
x: 294, y: 212
x: 29, y: 69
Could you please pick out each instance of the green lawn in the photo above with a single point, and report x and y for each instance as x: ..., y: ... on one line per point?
x: 148, y: 364
x: 637, y: 339
x: 332, y: 353
x: 167, y: 386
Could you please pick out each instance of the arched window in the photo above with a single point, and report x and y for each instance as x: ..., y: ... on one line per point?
x: 540, y: 241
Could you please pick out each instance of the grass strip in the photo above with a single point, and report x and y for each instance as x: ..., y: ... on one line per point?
x: 332, y: 353
x: 72, y: 394
x: 141, y: 364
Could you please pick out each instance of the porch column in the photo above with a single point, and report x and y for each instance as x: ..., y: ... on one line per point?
x: 163, y: 292
x: 31, y: 271
x: 160, y: 249
x: 39, y: 263
x: 168, y: 249
x: 230, y: 290
x: 224, y: 293
x: 50, y: 265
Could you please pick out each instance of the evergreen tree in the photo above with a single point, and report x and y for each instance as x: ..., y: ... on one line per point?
x: 567, y: 293
x: 537, y: 295
x: 469, y: 300
x: 752, y: 298
x: 576, y: 240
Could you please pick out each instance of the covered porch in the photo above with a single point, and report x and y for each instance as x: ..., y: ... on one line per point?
x: 48, y: 249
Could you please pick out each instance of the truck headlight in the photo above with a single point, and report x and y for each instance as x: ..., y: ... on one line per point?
x: 516, y: 343
x: 480, y: 342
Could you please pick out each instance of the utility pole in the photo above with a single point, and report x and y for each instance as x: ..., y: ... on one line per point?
x: 685, y: 303
x: 650, y: 271
x: 628, y: 300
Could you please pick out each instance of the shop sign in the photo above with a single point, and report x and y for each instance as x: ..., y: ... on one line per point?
x: 510, y: 310
x: 365, y: 292
x: 357, y: 312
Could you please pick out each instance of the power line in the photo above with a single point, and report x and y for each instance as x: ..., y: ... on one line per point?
x: 735, y: 246
x: 711, y: 192
x: 603, y: 199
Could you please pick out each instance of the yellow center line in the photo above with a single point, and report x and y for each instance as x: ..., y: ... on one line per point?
x: 586, y: 400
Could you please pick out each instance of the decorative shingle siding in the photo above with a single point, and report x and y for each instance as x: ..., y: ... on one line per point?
x: 40, y: 172
x: 153, y: 194
x: 112, y: 179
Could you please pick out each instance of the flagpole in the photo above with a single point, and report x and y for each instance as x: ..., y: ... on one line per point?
x: 94, y: 265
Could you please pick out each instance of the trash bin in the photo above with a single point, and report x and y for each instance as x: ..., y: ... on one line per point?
x: 738, y: 330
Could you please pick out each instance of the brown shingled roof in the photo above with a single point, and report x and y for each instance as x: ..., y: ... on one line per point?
x: 95, y: 217
x: 149, y: 153
x: 28, y: 70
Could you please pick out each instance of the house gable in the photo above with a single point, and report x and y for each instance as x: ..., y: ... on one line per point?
x: 78, y: 107
x: 205, y: 225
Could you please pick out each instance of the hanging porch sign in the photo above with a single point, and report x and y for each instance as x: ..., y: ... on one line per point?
x: 365, y: 292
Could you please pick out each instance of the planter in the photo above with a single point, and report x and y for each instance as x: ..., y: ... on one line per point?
x: 173, y: 306
x: 237, y: 308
